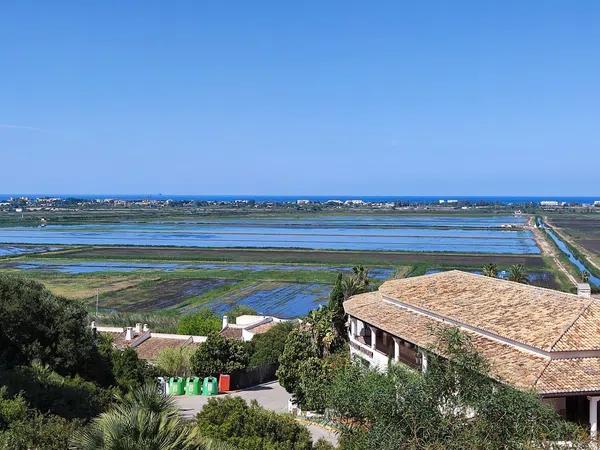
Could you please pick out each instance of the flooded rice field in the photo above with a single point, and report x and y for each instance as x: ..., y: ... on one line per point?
x: 285, y: 300
x: 16, y: 250
x: 150, y: 296
x: 498, y: 234
x: 79, y: 267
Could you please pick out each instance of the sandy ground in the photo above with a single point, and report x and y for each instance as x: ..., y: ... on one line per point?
x: 269, y: 395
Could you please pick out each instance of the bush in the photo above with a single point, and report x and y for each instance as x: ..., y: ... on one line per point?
x: 175, y: 361
x: 23, y: 428
x: 37, y: 326
x: 219, y: 355
x: 250, y: 427
x: 129, y: 370
x: 48, y: 391
x: 201, y: 323
x: 268, y: 346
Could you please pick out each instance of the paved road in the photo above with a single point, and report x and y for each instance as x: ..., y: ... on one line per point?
x: 269, y: 395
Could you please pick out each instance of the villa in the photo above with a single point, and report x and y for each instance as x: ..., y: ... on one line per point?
x: 534, y: 338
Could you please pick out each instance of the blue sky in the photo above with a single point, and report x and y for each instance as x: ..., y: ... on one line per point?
x: 323, y: 97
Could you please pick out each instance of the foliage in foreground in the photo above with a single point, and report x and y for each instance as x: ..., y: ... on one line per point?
x: 143, y: 419
x: 37, y: 326
x: 453, y: 406
x: 23, y: 428
x: 250, y: 427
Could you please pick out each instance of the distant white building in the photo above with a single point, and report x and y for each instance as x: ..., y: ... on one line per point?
x: 354, y: 202
x: 549, y: 203
x: 302, y: 202
x: 597, y: 203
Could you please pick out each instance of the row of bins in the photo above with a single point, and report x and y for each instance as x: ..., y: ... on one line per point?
x: 192, y: 386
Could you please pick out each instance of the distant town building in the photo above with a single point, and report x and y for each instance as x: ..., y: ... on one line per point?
x: 597, y: 203
x: 302, y: 202
x: 549, y: 203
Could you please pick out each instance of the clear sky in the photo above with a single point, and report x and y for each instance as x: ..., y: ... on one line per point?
x: 323, y: 97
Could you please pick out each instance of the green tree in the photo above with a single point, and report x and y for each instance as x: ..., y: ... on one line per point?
x: 299, y: 347
x: 455, y: 405
x: 201, y: 323
x: 37, y: 326
x: 129, y: 370
x: 517, y: 273
x: 219, y: 355
x: 250, y: 427
x: 268, y: 346
x: 490, y: 270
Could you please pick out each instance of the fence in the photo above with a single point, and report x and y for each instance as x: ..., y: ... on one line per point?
x: 241, y: 379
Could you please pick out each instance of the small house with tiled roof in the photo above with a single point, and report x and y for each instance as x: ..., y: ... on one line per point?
x: 533, y: 338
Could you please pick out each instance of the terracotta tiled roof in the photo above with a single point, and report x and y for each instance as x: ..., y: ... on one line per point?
x: 232, y: 333
x: 508, y: 364
x: 570, y: 375
x: 262, y: 328
x: 518, y: 328
x: 531, y: 315
x: 150, y: 348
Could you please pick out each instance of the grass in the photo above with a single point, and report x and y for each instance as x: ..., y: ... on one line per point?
x: 304, y: 256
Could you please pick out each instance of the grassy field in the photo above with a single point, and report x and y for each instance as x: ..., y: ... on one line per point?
x: 346, y: 257
x: 582, y: 232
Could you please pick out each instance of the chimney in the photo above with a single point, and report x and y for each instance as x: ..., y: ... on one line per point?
x: 129, y: 334
x: 145, y: 329
x: 138, y: 327
x: 225, y: 322
x: 584, y: 290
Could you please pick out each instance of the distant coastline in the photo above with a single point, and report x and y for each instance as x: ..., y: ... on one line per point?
x: 321, y: 198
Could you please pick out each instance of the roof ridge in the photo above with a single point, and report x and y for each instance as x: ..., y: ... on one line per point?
x: 542, y: 372
x: 568, y: 327
x: 491, y: 279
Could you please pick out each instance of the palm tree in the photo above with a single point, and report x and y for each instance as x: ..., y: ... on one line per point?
x: 144, y: 418
x: 517, y: 273
x: 585, y: 276
x: 490, y: 270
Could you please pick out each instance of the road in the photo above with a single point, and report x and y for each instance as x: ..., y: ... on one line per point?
x: 269, y: 395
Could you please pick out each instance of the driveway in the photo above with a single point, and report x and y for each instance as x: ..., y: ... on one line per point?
x: 269, y: 395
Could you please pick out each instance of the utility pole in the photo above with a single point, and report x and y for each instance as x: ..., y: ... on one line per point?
x: 97, y: 294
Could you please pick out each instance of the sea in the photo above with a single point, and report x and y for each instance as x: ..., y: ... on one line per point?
x: 419, y: 199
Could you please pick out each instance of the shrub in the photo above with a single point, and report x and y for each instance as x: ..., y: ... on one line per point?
x: 48, y: 391
x: 201, y: 323
x: 37, y: 326
x: 129, y: 370
x: 219, y: 355
x: 250, y: 427
x: 269, y: 346
x: 175, y: 361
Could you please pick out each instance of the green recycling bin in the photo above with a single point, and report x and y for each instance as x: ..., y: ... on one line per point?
x: 176, y: 386
x: 210, y: 386
x: 192, y: 386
